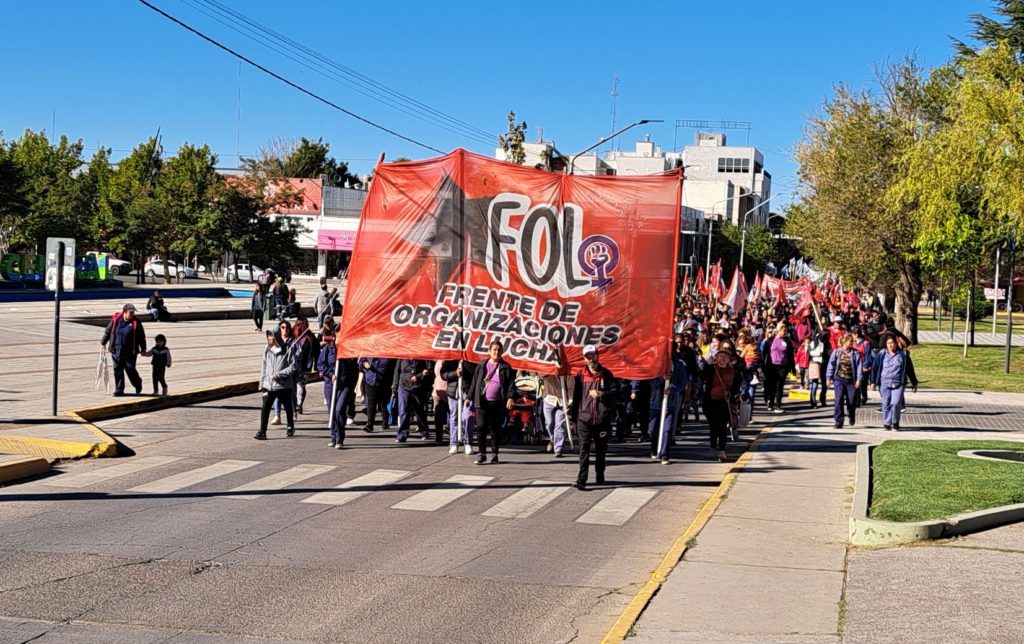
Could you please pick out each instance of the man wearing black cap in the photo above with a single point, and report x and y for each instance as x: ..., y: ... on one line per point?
x: 594, y: 394
x: 125, y: 338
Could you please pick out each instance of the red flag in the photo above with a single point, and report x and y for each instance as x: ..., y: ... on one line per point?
x: 736, y: 297
x: 461, y: 250
x: 686, y: 281
x: 700, y: 282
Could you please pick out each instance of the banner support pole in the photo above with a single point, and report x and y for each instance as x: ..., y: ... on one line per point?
x: 664, y: 414
x: 565, y: 412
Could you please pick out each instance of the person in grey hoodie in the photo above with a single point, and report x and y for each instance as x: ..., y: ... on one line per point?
x: 276, y: 382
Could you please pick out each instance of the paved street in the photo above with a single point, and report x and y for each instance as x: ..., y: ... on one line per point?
x: 206, y: 531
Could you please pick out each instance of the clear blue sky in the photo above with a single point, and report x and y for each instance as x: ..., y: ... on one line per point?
x: 111, y: 72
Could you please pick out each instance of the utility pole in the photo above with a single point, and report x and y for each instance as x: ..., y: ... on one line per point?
x: 995, y: 301
x: 1009, y: 308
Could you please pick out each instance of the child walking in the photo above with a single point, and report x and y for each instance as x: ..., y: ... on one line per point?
x: 161, y: 363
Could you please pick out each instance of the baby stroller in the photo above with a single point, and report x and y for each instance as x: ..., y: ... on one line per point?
x: 523, y: 418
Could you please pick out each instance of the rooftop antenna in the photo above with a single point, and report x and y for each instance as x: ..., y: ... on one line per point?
x: 540, y: 135
x: 615, y: 96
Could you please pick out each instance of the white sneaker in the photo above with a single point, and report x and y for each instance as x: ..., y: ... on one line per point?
x: 331, y: 444
x: 454, y: 449
x: 277, y: 420
x: 469, y: 450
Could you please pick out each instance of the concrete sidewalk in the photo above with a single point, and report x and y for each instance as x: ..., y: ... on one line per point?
x: 772, y: 563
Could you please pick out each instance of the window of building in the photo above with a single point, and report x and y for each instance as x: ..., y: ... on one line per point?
x: 730, y: 164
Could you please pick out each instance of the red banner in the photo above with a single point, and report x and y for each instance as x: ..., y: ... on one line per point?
x: 460, y: 250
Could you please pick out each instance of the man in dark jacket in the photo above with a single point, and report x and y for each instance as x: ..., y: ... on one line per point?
x: 594, y: 395
x: 493, y: 394
x: 378, y: 374
x: 415, y: 381
x: 125, y: 339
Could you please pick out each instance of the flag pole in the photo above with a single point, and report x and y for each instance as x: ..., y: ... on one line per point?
x: 664, y: 414
x: 565, y: 412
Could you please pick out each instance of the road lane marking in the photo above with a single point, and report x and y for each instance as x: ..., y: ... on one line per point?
x: 280, y: 480
x: 193, y: 477
x: 441, y: 495
x: 617, y: 507
x: 102, y: 474
x: 528, y: 500
x: 351, y: 490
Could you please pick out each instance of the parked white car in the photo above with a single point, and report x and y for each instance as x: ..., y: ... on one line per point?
x: 155, y: 267
x: 115, y: 266
x: 242, y: 273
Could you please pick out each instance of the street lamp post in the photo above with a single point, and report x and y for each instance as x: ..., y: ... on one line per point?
x: 711, y: 224
x: 572, y: 159
x: 743, y: 223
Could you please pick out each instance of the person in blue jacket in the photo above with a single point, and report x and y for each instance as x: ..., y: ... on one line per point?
x: 673, y: 388
x: 341, y: 374
x: 890, y: 380
x: 378, y: 374
x: 125, y: 339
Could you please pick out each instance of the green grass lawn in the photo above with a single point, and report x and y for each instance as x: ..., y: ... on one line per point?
x: 923, y: 480
x: 941, y: 366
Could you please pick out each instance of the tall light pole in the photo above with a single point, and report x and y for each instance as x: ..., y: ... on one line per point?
x: 572, y: 159
x: 743, y: 223
x: 711, y: 224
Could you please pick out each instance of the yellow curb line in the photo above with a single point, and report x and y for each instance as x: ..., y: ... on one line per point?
x: 53, y: 449
x: 620, y: 629
x: 21, y: 468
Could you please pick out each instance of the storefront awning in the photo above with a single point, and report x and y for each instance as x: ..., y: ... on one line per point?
x: 335, y: 239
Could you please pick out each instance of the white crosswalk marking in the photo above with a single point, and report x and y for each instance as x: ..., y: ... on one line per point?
x: 192, y: 477
x: 617, y: 507
x: 357, y: 487
x: 528, y: 500
x: 102, y: 474
x: 280, y: 480
x: 441, y: 495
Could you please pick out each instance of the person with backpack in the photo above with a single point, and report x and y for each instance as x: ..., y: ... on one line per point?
x: 594, y: 394
x: 125, y: 339
x: 305, y: 350
x: 844, y: 374
x: 722, y: 387
x: 257, y: 307
x: 863, y: 345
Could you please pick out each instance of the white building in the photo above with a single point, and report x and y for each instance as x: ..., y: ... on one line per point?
x: 722, y: 183
x: 726, y: 182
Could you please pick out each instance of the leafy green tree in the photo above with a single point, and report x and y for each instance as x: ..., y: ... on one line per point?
x: 13, y: 204
x: 966, y: 178
x: 305, y: 159
x: 57, y: 200
x: 850, y: 159
x: 513, y: 142
x: 184, y: 192
x: 238, y: 222
x: 130, y: 202
x: 991, y: 31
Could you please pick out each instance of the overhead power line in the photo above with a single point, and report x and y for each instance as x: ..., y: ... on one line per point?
x: 286, y: 81
x: 337, y: 72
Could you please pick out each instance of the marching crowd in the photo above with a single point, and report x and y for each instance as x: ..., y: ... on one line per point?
x: 720, y: 360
